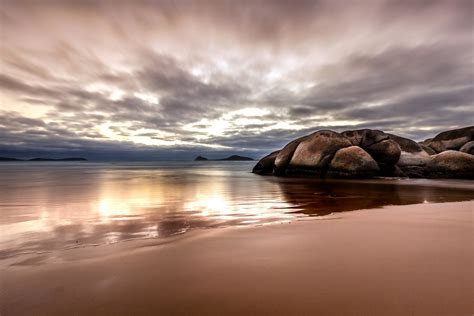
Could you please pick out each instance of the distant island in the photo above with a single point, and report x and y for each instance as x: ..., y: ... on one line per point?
x: 44, y: 159
x: 230, y: 158
x: 9, y: 159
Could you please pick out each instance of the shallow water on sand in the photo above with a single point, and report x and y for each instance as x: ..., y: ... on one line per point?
x: 48, y: 206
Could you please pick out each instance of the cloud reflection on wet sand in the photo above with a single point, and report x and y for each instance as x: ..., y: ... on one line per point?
x: 47, y: 208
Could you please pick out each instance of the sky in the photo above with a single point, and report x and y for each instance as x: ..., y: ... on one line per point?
x: 174, y: 79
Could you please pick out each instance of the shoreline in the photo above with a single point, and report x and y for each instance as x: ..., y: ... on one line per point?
x: 387, y: 261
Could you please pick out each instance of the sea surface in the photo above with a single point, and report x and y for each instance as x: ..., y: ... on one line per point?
x: 51, y: 206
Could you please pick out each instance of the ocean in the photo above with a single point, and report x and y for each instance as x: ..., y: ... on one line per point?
x: 51, y: 206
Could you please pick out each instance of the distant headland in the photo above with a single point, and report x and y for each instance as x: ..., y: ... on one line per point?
x: 230, y: 158
x: 44, y: 159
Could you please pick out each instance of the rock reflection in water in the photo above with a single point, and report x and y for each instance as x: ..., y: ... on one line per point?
x: 322, y: 197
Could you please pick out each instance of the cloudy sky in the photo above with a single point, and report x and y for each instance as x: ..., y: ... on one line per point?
x: 173, y: 79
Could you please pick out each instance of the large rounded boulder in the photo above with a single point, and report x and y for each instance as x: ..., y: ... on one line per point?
x: 313, y: 155
x: 352, y: 162
x: 451, y: 164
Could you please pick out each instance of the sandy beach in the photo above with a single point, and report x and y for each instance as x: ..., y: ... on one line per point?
x: 397, y: 260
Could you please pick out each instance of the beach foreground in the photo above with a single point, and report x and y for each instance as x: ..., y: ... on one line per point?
x: 399, y: 260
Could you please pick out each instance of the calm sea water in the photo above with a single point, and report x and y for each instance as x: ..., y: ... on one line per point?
x: 48, y: 206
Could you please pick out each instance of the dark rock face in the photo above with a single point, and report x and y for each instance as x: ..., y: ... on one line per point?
x: 266, y: 164
x: 413, y: 171
x: 412, y: 154
x: 352, y: 162
x: 453, y: 139
x: 365, y: 137
x: 406, y: 145
x: 284, y: 156
x: 368, y: 153
x: 468, y: 148
x: 428, y: 150
x: 386, y: 151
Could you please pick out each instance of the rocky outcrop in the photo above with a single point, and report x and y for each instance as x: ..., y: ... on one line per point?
x: 368, y: 153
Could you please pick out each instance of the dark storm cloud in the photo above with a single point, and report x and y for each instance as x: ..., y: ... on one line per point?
x: 187, y: 76
x: 16, y: 86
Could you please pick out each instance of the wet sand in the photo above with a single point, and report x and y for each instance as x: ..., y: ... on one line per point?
x: 399, y: 260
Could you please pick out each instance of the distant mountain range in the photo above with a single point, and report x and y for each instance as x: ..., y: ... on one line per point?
x: 230, y: 158
x: 43, y: 159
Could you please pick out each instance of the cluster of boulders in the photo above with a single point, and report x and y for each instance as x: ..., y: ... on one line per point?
x: 369, y: 153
